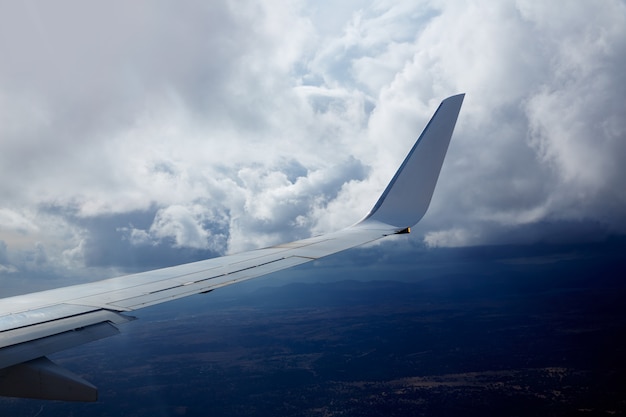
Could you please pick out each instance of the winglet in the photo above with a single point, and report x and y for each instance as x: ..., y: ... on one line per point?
x: 407, y: 197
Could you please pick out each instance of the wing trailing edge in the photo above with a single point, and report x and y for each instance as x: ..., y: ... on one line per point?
x: 35, y: 325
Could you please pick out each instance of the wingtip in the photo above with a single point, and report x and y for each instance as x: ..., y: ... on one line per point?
x: 460, y: 97
x: 407, y: 197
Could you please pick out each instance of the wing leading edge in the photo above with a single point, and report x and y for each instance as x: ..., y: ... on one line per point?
x: 35, y: 325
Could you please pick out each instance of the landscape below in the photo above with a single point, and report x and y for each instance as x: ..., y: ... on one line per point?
x: 525, y: 331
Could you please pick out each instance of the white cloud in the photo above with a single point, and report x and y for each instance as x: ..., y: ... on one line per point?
x: 449, y: 238
x: 13, y: 221
x: 187, y: 226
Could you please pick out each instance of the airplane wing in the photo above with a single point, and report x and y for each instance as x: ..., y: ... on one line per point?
x: 35, y: 325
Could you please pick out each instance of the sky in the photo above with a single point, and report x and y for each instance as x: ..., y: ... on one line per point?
x: 145, y: 134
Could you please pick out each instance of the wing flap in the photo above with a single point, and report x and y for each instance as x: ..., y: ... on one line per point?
x: 30, y: 342
x: 40, y: 315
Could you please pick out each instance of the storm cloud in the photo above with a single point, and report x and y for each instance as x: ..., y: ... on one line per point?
x: 206, y: 128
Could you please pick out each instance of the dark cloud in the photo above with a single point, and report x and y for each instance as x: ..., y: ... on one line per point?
x: 109, y: 242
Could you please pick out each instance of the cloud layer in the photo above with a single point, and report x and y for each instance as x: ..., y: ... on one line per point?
x: 128, y: 131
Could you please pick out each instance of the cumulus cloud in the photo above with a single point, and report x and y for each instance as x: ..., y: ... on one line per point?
x: 193, y: 227
x: 130, y: 130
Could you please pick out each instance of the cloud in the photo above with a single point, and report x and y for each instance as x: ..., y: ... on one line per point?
x: 131, y: 130
x: 187, y: 226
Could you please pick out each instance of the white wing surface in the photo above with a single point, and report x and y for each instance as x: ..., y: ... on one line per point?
x: 35, y: 325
